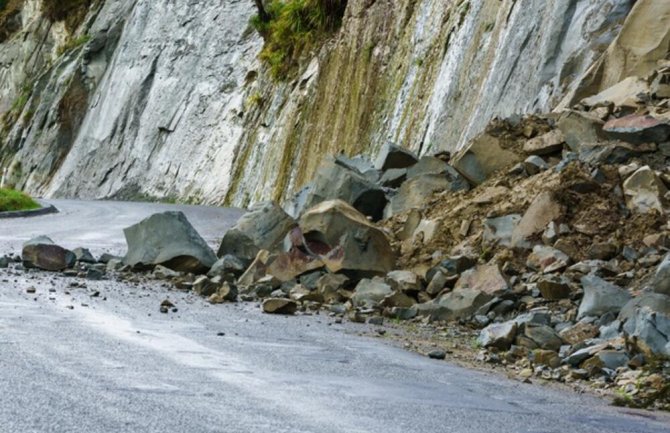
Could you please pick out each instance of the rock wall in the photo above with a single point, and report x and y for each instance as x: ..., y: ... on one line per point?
x: 166, y: 99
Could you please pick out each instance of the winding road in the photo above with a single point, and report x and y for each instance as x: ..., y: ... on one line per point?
x: 73, y: 362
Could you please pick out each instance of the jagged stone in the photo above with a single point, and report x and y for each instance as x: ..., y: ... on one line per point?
x: 264, y: 227
x: 498, y: 231
x: 543, y: 210
x: 485, y: 278
x: 546, y: 144
x: 167, y: 239
x: 534, y: 165
x: 645, y: 191
x: 500, y: 335
x: 228, y: 264
x: 398, y: 299
x: 547, y: 259
x: 626, y: 93
x: 601, y: 297
x: 225, y: 293
x: 369, y: 293
x: 84, y: 255
x: 393, y: 156
x: 330, y: 287
x: 256, y: 270
x: 404, y: 281
x: 661, y: 281
x: 393, y: 178
x: 579, y: 333
x: 345, y: 240
x: 203, y: 286
x: 638, y: 129
x: 280, y: 306
x: 455, y: 305
x: 580, y: 129
x: 290, y: 265
x: 545, y: 357
x: 553, y: 288
x: 602, y: 251
x: 415, y: 192
x: 301, y: 293
x: 42, y: 253
x: 646, y: 320
x: 483, y: 156
x: 539, y: 336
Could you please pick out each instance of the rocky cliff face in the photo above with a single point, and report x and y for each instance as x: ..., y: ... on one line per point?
x: 166, y: 99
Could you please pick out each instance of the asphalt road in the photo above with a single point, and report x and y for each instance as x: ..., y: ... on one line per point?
x: 70, y: 362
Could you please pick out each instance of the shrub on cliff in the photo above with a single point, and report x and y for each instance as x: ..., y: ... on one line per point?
x: 72, y: 12
x: 293, y: 27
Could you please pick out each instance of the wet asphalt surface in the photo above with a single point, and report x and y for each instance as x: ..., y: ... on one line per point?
x: 70, y: 362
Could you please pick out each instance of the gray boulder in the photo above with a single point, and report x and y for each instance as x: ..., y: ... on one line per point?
x: 43, y: 253
x: 646, y: 320
x: 415, y: 192
x: 601, y: 297
x: 498, y: 231
x: 280, y: 306
x: 84, y: 255
x: 500, y: 335
x: 264, y: 227
x: 393, y: 156
x: 168, y: 239
x: 227, y: 265
x: 483, y: 156
x: 661, y: 281
x: 539, y: 337
x: 455, y: 305
x: 369, y: 293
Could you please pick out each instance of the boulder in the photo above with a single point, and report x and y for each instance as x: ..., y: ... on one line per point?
x: 264, y: 227
x: 290, y: 265
x: 545, y: 357
x: 345, y: 240
x: 647, y: 322
x: 43, y: 253
x: 625, y: 93
x: 203, y: 286
x: 167, y: 239
x: 578, y: 333
x: 645, y: 191
x: 433, y: 165
x: 455, y: 305
x: 601, y: 297
x: 279, y: 306
x: 330, y: 287
x: 499, y: 335
x: 534, y: 165
x: 485, y: 278
x: 661, y: 281
x: 547, y: 259
x: 369, y: 293
x: 393, y: 156
x: 553, y: 288
x: 536, y: 336
x: 84, y: 255
x: 543, y: 210
x: 416, y: 192
x: 256, y: 270
x: 227, y: 265
x: 404, y: 281
x: 638, y: 129
x: 580, y: 129
x: 393, y: 178
x: 546, y: 144
x: 498, y: 231
x: 483, y: 156
x: 225, y: 293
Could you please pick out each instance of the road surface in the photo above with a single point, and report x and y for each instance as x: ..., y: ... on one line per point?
x: 70, y: 362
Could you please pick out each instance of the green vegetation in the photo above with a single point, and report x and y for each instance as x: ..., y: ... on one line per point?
x: 292, y: 28
x: 73, y: 43
x: 12, y: 200
x: 72, y: 12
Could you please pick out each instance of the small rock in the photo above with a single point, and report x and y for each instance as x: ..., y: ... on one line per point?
x: 437, y: 354
x: 280, y: 306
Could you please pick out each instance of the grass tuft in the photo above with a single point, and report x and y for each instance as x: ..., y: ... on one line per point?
x: 13, y: 200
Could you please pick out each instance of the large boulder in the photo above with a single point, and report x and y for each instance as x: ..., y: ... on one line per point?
x: 500, y: 335
x: 369, y: 293
x: 485, y: 278
x: 647, y: 321
x: 546, y: 144
x: 483, y: 156
x: 43, y: 253
x: 543, y: 210
x: 264, y: 227
x: 338, y: 181
x: 392, y: 156
x: 455, y: 305
x: 601, y: 297
x: 580, y: 129
x: 168, y: 239
x: 415, y: 192
x: 625, y: 93
x: 345, y: 240
x: 498, y: 231
x: 645, y: 191
x: 638, y: 129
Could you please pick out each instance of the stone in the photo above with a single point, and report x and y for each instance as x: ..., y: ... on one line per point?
x: 344, y: 240
x: 256, y: 270
x: 393, y: 156
x: 638, y: 129
x: 547, y: 259
x: 279, y: 306
x: 534, y: 165
x: 498, y: 231
x: 455, y: 305
x: 545, y: 357
x: 415, y: 192
x: 163, y: 273
x: 580, y: 129
x: 646, y: 321
x: 661, y: 280
x: 432, y: 165
x: 288, y: 266
x: 437, y: 283
x: 499, y: 335
x: 203, y: 286
x: 485, y: 278
x: 543, y: 210
x: 645, y: 191
x: 301, y: 293
x: 330, y: 287
x: 167, y: 239
x: 551, y: 142
x: 580, y: 355
x: 393, y: 178
x: 336, y: 181
x: 228, y: 264
x: 625, y: 93
x: 554, y: 288
x: 612, y: 359
x: 602, y: 251
x: 600, y: 297
x: 404, y: 281
x: 482, y: 157
x: 437, y: 354
x: 42, y: 253
x: 264, y: 227
x: 540, y: 336
x: 106, y: 257
x: 4, y: 262
x: 84, y: 255
x: 398, y: 299
x: 225, y: 293
x: 369, y: 293
x: 578, y: 333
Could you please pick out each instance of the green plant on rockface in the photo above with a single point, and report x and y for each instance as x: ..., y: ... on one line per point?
x: 12, y: 200
x: 292, y: 28
x: 73, y: 43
